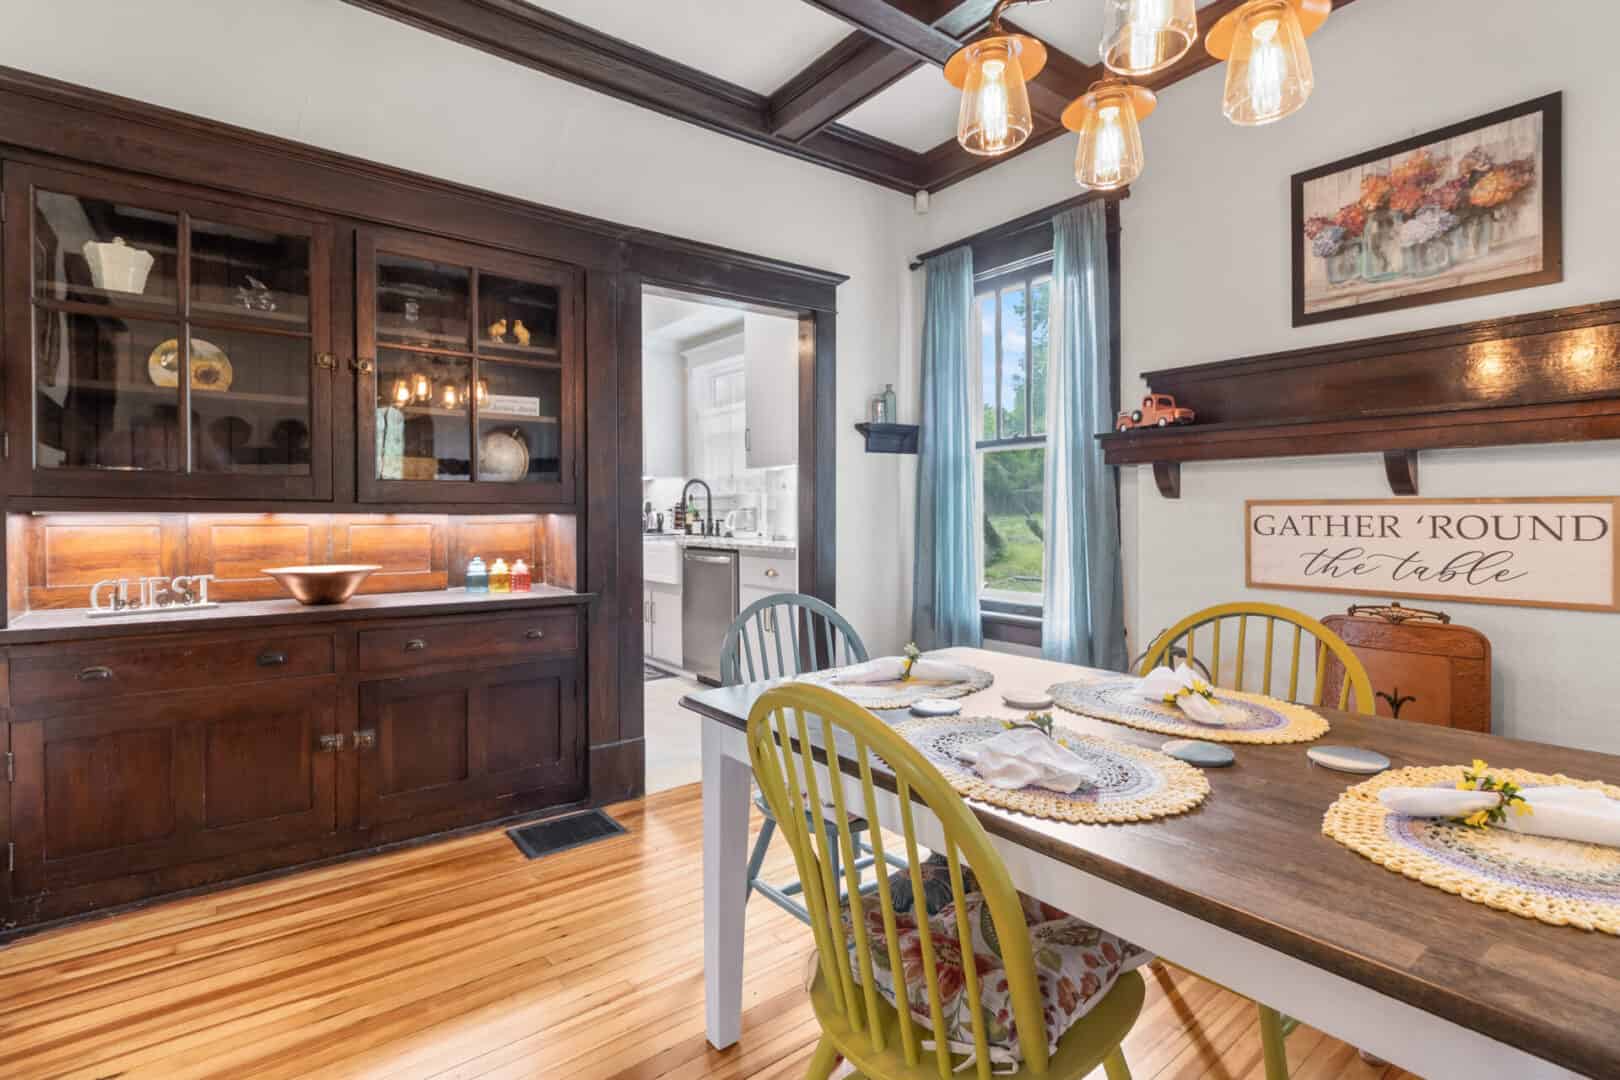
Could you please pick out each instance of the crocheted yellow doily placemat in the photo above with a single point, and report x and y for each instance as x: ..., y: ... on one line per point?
x: 1264, y: 719
x: 1561, y: 882
x: 898, y: 695
x: 1135, y: 783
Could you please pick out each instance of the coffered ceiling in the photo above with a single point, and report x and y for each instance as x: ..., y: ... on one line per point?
x: 853, y: 85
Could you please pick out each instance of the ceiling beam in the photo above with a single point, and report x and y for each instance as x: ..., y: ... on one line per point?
x: 948, y: 163
x: 539, y: 39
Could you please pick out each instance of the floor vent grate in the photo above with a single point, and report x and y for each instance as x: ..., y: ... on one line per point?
x: 560, y: 834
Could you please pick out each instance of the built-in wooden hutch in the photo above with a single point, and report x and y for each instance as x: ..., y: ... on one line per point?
x: 382, y: 369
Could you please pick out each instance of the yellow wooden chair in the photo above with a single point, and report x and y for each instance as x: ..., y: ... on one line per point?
x: 1355, y: 694
x: 884, y: 1042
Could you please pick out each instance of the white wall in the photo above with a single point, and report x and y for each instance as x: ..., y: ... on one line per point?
x: 1206, y: 277
x: 326, y: 73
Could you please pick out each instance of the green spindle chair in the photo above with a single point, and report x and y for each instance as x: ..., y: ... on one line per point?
x: 1355, y: 695
x: 780, y: 636
x: 882, y: 1041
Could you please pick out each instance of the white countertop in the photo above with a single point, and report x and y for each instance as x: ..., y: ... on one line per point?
x: 751, y: 545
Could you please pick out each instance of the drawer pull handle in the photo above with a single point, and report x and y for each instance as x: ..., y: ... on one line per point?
x: 330, y: 744
x: 416, y: 644
x: 364, y: 739
x: 94, y: 674
x: 535, y: 635
x: 272, y: 659
x: 772, y: 572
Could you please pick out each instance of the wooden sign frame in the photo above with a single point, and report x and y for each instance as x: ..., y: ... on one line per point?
x: 1612, y: 501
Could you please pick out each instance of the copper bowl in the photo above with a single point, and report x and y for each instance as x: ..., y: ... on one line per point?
x: 322, y: 584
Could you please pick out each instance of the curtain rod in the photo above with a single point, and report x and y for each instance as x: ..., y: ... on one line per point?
x: 1032, y: 220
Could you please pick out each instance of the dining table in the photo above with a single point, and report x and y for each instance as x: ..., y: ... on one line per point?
x: 1245, y: 890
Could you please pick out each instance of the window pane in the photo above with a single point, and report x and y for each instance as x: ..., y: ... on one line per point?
x: 424, y: 417
x: 1040, y: 339
x: 99, y: 252
x: 519, y: 422
x: 249, y: 274
x: 106, y: 393
x: 422, y: 303
x: 1014, y: 353
x: 250, y: 403
x: 1014, y: 532
x: 519, y: 317
x: 987, y: 361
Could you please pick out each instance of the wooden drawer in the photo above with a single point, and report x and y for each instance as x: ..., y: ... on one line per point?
x: 52, y: 673
x: 442, y: 641
x: 773, y: 573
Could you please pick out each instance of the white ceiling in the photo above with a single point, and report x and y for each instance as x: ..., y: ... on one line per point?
x: 758, y: 44
x: 919, y: 111
x: 669, y: 322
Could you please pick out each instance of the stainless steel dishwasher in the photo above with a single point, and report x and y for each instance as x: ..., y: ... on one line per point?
x: 708, y: 606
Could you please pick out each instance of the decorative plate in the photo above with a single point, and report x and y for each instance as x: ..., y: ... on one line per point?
x: 1265, y: 720
x: 1138, y: 784
x: 210, y: 367
x: 897, y: 694
x: 1561, y: 882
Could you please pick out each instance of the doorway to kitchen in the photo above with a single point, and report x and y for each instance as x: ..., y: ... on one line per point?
x: 720, y: 403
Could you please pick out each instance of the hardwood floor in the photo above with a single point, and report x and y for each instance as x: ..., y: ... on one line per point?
x: 463, y: 960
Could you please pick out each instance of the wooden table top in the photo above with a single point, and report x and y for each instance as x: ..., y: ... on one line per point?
x: 1252, y: 859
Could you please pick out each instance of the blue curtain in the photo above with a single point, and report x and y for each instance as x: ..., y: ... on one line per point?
x: 945, y: 582
x: 1084, y: 619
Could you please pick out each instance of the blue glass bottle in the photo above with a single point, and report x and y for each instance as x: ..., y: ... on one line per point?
x: 477, y: 576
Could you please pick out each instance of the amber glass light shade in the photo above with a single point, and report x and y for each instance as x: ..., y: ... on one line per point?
x: 422, y: 387
x: 483, y: 393
x: 1143, y: 36
x: 1107, y: 119
x: 402, y: 392
x: 992, y: 74
x: 1268, y: 70
x: 448, y: 396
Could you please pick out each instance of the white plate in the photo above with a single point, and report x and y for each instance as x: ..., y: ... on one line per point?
x: 936, y: 707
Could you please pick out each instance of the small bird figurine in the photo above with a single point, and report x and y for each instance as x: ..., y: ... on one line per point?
x: 520, y: 332
x: 497, y: 330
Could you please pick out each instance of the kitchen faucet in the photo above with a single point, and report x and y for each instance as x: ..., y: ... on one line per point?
x: 708, y: 505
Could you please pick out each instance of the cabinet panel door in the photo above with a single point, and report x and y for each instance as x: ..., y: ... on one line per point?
x: 119, y: 287
x: 123, y: 787
x: 432, y: 744
x: 771, y: 344
x: 469, y: 384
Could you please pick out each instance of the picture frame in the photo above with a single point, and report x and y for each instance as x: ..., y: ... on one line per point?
x: 1466, y: 210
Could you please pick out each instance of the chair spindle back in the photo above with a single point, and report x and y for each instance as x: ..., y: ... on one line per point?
x: 787, y: 634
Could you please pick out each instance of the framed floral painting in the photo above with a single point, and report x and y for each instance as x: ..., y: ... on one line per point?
x: 1470, y: 209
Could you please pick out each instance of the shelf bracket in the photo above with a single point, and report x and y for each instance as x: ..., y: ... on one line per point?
x: 1167, y: 474
x: 1401, y: 469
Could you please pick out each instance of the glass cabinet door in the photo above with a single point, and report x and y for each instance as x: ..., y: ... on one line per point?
x: 130, y: 287
x: 470, y: 397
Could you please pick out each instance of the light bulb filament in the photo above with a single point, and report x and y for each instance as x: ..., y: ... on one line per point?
x: 1110, y: 146
x: 1267, y: 70
x: 993, y: 104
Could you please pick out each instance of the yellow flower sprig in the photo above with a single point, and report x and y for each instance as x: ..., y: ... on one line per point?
x: 1041, y: 722
x: 1199, y: 687
x: 1478, y: 778
x: 912, y: 655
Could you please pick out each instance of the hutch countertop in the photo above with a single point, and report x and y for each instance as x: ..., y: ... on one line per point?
x: 76, y: 623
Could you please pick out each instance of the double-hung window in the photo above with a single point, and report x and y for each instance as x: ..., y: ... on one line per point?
x: 1012, y: 307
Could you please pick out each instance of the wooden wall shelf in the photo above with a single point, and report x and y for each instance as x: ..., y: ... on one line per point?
x: 889, y: 438
x: 1544, y: 378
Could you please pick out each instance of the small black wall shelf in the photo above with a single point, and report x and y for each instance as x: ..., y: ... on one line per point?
x: 889, y: 438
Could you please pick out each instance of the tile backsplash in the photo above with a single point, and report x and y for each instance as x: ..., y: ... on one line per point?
x: 774, y: 492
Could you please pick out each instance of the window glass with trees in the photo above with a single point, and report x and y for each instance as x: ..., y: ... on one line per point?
x: 1014, y: 327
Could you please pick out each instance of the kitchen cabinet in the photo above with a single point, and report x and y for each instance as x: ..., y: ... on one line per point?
x: 130, y: 785
x: 468, y: 365
x: 663, y: 637
x: 771, y: 362
x: 114, y: 288
x: 454, y: 742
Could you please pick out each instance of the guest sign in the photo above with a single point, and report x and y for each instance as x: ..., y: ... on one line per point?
x: 1541, y: 552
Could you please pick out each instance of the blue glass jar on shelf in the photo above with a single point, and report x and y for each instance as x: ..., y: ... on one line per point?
x: 477, y: 576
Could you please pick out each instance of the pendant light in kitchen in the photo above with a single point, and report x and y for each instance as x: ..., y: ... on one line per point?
x: 1143, y: 36
x: 992, y: 74
x: 1268, y: 69
x: 1106, y: 117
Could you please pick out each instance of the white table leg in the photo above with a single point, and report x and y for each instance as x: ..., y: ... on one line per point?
x: 726, y: 785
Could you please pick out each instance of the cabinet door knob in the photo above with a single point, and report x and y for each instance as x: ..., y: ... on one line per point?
x: 272, y: 659
x: 535, y: 635
x: 330, y: 744
x: 772, y: 571
x: 94, y: 674
x: 364, y: 739
x: 416, y: 644
x: 363, y: 364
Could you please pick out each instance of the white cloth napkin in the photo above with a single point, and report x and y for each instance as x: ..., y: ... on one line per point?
x: 1562, y: 813
x: 1023, y: 757
x: 890, y: 668
x: 1161, y: 682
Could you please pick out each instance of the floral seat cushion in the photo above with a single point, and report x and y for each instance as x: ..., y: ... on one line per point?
x: 1076, y: 964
